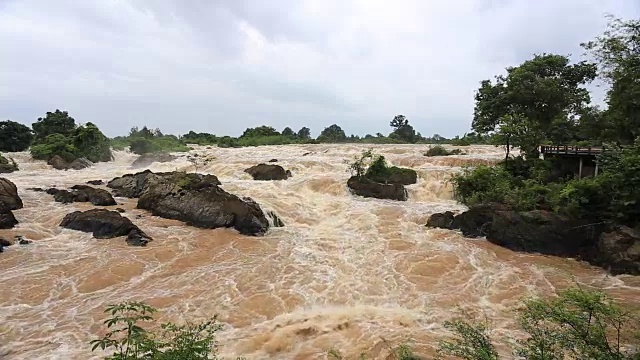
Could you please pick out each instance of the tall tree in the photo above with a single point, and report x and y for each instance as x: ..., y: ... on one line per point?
x: 57, y: 122
x: 533, y: 98
x: 288, y: 132
x: 333, y: 133
x: 618, y: 54
x: 14, y: 136
x: 304, y: 133
x: 402, y: 130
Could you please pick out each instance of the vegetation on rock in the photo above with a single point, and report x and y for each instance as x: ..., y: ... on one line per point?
x: 439, y: 150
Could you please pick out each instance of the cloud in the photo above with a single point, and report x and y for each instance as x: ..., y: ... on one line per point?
x: 221, y: 66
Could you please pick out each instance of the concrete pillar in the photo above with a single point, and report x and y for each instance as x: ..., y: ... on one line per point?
x: 580, y: 169
x: 596, y: 170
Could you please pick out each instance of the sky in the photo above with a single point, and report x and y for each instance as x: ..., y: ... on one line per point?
x: 221, y: 66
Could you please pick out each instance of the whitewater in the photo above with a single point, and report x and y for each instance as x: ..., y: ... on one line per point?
x: 345, y: 273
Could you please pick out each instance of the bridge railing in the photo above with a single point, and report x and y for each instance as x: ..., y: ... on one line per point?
x: 567, y: 149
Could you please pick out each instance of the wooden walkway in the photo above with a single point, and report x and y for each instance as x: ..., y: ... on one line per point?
x: 570, y: 150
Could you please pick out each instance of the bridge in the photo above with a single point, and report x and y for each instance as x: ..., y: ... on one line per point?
x: 580, y: 160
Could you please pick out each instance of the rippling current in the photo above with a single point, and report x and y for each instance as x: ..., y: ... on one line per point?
x: 345, y: 273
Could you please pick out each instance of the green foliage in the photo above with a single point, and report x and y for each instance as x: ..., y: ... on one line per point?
x: 143, y: 141
x: 260, y: 131
x: 402, y: 129
x: 304, y: 133
x: 360, y: 164
x: 57, y: 122
x: 91, y: 143
x: 128, y: 340
x: 288, y: 132
x: 143, y: 146
x: 439, y: 150
x: 14, y: 136
x: 331, y: 134
x: 55, y: 144
x: 471, y: 340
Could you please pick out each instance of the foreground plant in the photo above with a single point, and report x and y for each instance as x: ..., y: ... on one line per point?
x: 128, y: 340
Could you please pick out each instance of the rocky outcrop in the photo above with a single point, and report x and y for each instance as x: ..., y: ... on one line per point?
x: 7, y: 166
x: 95, y: 182
x: 132, y: 185
x: 193, y: 198
x: 83, y: 193
x: 58, y: 163
x: 395, y: 175
x: 9, y: 200
x: 362, y: 186
x: 105, y: 224
x: 147, y: 159
x: 268, y: 172
x: 546, y: 232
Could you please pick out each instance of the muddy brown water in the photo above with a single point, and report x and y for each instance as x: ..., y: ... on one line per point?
x: 346, y: 273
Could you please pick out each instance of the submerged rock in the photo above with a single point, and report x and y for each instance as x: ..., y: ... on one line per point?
x: 618, y: 250
x: 193, y: 198
x: 83, y: 193
x: 80, y: 163
x: 7, y: 220
x: 268, y: 172
x: 105, y: 224
x: 147, y: 159
x: 395, y: 175
x: 95, y: 182
x: 273, y: 160
x: 362, y: 186
x: 4, y: 242
x: 59, y: 163
x: 7, y: 165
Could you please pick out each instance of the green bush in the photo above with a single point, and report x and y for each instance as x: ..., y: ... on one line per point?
x: 91, y: 143
x: 55, y: 144
x: 439, y: 150
x: 483, y: 184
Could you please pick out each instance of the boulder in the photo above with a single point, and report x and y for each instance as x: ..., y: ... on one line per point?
x: 362, y: 186
x: 5, y: 242
x: 21, y: 240
x: 268, y: 172
x: 7, y: 220
x: 201, y: 203
x: 80, y: 163
x: 58, y: 163
x: 120, y: 210
x: 95, y: 182
x: 441, y: 220
x: 132, y: 185
x: 83, y: 193
x: 273, y: 160
x: 9, y: 198
x: 395, y: 175
x: 618, y: 250
x: 147, y: 159
x: 275, y: 220
x: 7, y: 166
x: 105, y: 224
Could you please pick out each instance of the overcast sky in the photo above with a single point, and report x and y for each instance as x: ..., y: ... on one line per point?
x: 223, y: 65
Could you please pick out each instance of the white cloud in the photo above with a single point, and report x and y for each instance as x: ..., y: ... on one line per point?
x: 221, y: 66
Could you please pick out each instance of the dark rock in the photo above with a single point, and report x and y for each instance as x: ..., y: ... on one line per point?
x: 369, y: 188
x: 289, y: 174
x: 80, y: 163
x: 275, y: 220
x: 105, y: 224
x: 268, y: 172
x: 273, y: 160
x: 36, y: 189
x: 7, y: 220
x: 619, y: 250
x: 21, y: 240
x: 183, y: 197
x: 5, y: 242
x: 9, y: 199
x: 7, y: 165
x: 132, y: 185
x: 120, y: 210
x: 395, y: 175
x: 441, y: 220
x: 95, y: 182
x: 307, y: 153
x: 58, y: 163
x: 98, y: 197
x: 66, y: 197
x: 147, y: 159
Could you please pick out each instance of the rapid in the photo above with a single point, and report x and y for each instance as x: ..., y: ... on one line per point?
x: 345, y: 273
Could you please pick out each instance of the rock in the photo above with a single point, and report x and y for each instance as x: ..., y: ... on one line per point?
x: 5, y: 242
x: 7, y: 220
x: 288, y: 173
x: 58, y: 163
x: 147, y: 159
x: 441, y: 220
x: 619, y: 251
x: 105, y: 224
x: 9, y: 199
x: 7, y: 165
x: 395, y: 175
x: 132, y: 185
x: 369, y: 188
x: 36, y: 189
x: 80, y: 163
x: 95, y: 182
x: 275, y: 220
x: 201, y: 203
x: 273, y: 160
x: 307, y: 153
x: 268, y: 172
x: 83, y: 193
x: 120, y: 210
x: 21, y: 240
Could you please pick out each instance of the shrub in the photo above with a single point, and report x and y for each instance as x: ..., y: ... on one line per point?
x: 55, y: 144
x: 439, y: 150
x: 91, y: 143
x: 483, y: 184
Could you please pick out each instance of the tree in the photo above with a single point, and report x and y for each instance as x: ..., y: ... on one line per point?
x: 531, y: 99
x: 402, y: 129
x: 14, y: 136
x: 57, y: 122
x: 92, y: 143
x: 288, y: 132
x: 260, y: 131
x: 333, y: 133
x: 618, y: 54
x: 304, y: 133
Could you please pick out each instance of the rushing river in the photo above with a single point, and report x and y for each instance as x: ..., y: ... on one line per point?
x: 345, y: 273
